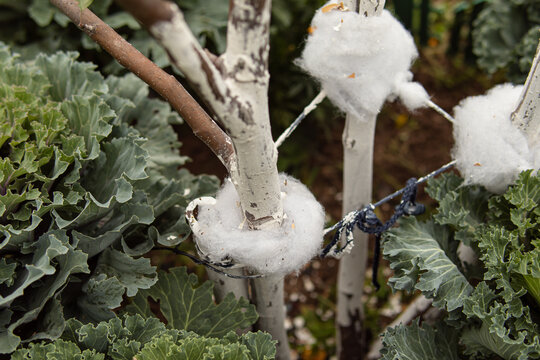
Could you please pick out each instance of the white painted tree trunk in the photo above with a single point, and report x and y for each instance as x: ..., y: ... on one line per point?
x: 527, y: 115
x: 224, y: 285
x: 358, y: 140
x: 267, y: 293
x: 235, y: 87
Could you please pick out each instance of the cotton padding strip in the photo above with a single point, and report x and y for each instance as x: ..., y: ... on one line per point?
x: 220, y: 231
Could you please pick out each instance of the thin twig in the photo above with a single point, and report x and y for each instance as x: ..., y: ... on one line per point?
x: 312, y: 106
x: 165, y: 84
x: 441, y: 111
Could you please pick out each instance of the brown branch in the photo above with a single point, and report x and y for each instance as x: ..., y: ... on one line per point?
x: 163, y: 83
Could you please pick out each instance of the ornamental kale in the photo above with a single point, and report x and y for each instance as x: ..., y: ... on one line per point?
x: 493, y: 304
x: 505, y: 36
x: 89, y: 181
x: 196, y: 328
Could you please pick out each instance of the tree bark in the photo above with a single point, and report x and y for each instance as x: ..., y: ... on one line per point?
x: 235, y: 87
x: 358, y: 140
x: 267, y: 294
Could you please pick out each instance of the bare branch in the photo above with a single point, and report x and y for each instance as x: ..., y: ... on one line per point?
x: 166, y: 23
x: 164, y: 84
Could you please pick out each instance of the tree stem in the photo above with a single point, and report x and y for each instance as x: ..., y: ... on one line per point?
x: 358, y: 141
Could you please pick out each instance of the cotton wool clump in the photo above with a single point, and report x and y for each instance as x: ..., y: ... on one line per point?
x: 222, y: 231
x: 361, y: 61
x: 489, y: 149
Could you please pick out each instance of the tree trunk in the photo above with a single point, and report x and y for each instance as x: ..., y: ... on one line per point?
x: 235, y: 88
x: 267, y: 294
x: 358, y: 140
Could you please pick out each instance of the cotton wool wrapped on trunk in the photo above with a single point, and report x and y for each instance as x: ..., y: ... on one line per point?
x: 489, y: 149
x: 221, y: 231
x: 361, y: 61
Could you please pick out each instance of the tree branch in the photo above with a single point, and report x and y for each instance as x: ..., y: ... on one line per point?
x: 166, y: 23
x: 164, y: 84
x: 235, y: 89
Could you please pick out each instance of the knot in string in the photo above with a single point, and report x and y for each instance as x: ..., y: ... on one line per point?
x: 368, y: 222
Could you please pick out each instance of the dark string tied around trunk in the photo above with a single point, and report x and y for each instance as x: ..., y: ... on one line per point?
x: 367, y: 221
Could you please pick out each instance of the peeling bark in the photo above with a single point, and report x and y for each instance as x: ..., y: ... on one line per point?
x: 527, y: 114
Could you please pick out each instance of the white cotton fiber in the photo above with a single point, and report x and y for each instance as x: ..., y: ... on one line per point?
x: 488, y: 149
x: 361, y: 61
x: 223, y: 233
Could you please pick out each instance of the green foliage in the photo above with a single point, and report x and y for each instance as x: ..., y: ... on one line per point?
x: 499, y: 315
x: 89, y: 181
x: 420, y: 343
x: 505, y: 35
x: 192, y: 308
x: 54, y: 31
x: 142, y: 336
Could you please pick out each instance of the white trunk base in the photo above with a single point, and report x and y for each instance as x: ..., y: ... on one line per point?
x: 267, y: 294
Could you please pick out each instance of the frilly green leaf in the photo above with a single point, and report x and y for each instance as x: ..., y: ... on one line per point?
x: 420, y: 343
x: 423, y: 257
x: 190, y: 307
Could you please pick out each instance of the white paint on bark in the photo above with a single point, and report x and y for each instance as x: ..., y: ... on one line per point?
x: 526, y: 117
x: 235, y: 87
x: 224, y: 285
x: 366, y: 7
x: 268, y: 298
x: 245, y: 67
x: 237, y: 94
x: 358, y: 140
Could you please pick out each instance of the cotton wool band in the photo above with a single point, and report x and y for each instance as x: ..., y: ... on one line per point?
x: 489, y: 149
x: 221, y: 232
x: 361, y: 61
x: 365, y: 219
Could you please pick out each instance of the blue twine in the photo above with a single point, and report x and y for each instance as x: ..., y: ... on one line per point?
x: 367, y: 221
